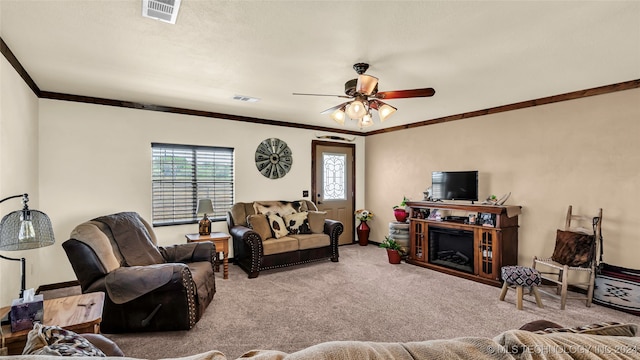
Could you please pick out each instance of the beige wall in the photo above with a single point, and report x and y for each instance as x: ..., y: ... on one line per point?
x: 96, y: 160
x: 18, y: 168
x: 78, y: 161
x: 583, y: 152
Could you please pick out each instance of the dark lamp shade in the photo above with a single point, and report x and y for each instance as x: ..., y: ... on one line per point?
x: 10, y: 237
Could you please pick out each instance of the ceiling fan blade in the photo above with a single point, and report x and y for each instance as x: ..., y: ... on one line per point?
x: 366, y: 84
x: 340, y: 96
x: 403, y: 94
x: 330, y: 110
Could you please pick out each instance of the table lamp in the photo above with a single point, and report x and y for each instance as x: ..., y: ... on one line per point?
x: 204, y: 206
x: 24, y: 229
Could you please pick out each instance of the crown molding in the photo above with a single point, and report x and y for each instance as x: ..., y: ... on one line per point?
x: 4, y: 49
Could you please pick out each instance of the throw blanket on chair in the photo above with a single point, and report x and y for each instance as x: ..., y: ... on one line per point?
x: 132, y: 238
x: 128, y: 283
x: 139, y: 252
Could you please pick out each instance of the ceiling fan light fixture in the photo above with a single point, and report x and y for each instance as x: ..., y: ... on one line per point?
x: 356, y: 109
x: 385, y: 111
x: 339, y: 116
x: 366, y: 84
x: 366, y: 121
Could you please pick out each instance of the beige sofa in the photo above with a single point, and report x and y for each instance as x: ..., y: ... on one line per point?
x: 609, y: 341
x: 274, y: 234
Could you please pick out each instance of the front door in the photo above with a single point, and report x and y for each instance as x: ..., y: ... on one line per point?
x: 333, y: 184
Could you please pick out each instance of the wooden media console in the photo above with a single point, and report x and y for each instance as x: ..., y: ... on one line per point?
x: 452, y: 245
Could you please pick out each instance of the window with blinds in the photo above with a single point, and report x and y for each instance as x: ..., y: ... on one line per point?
x: 182, y: 174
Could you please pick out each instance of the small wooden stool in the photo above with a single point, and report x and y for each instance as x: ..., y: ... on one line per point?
x: 521, y: 277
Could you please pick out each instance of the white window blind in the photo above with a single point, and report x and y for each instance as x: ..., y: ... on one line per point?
x: 182, y: 174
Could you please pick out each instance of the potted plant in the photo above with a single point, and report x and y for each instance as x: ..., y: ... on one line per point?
x: 394, y: 252
x: 363, y: 229
x: 400, y: 212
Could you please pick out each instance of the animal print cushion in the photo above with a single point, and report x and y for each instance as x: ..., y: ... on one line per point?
x: 281, y: 208
x: 277, y: 226
x: 297, y: 223
x: 53, y: 340
x: 573, y: 248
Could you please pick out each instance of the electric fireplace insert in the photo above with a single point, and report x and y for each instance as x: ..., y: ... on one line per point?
x: 451, y: 248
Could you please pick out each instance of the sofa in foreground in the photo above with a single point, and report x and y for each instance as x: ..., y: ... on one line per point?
x: 598, y: 341
x: 273, y: 234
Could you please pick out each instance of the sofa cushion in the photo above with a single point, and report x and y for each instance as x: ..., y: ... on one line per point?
x: 297, y: 223
x: 281, y: 208
x: 278, y: 228
x: 260, y: 224
x: 316, y: 221
x: 604, y: 328
x: 240, y: 211
x: 312, y: 241
x: 281, y: 245
x: 527, y: 345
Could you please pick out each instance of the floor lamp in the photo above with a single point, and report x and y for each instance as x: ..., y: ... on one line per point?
x: 24, y: 229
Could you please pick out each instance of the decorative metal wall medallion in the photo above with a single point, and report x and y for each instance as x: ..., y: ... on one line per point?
x: 273, y: 158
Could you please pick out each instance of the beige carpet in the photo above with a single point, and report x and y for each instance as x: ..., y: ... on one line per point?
x: 362, y: 297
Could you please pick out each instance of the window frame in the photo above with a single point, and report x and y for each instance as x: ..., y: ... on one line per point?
x: 189, y: 179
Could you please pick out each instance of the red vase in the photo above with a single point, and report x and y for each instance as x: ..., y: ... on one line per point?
x: 363, y: 233
x: 400, y: 214
x: 394, y: 256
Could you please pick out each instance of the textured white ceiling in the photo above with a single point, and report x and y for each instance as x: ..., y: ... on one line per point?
x: 476, y: 54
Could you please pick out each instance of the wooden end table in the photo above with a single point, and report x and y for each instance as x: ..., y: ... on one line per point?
x: 222, y: 244
x: 78, y: 313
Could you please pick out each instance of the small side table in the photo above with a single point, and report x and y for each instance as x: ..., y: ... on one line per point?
x: 222, y: 244
x: 78, y: 313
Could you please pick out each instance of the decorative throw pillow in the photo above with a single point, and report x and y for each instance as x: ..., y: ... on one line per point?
x: 281, y: 208
x: 539, y: 325
x: 260, y: 224
x: 316, y: 221
x: 53, y: 340
x: 297, y: 223
x: 573, y: 248
x: 277, y: 226
x: 604, y: 328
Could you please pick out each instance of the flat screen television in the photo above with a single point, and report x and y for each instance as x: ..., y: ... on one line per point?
x: 454, y: 185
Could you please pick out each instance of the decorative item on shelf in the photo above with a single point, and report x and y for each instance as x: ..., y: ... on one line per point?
x: 204, y: 206
x: 363, y: 229
x: 493, y: 200
x: 472, y: 218
x: 22, y: 230
x: 394, y: 251
x: 427, y: 194
x: 400, y: 212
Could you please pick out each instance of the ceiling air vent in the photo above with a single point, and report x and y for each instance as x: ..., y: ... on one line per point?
x: 245, y: 98
x: 163, y: 10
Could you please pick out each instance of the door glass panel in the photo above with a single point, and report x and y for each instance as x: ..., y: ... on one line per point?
x: 333, y: 173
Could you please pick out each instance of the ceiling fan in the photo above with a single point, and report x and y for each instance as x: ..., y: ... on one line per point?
x: 365, y: 96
